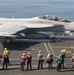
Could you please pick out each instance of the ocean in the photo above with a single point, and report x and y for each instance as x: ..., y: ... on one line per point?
x: 33, y: 8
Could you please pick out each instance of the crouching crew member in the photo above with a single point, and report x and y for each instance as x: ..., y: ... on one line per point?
x: 23, y: 60
x: 29, y: 60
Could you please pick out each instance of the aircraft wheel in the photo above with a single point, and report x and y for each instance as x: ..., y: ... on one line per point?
x: 54, y: 39
x: 8, y: 40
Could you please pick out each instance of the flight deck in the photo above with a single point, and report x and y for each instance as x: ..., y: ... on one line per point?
x: 18, y: 48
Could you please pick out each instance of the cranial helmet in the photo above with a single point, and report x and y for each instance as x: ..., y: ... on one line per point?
x: 40, y: 51
x: 29, y: 53
x: 23, y: 53
x: 5, y: 49
x: 73, y: 54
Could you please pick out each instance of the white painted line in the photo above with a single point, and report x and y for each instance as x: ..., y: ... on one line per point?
x: 51, y: 49
x: 46, y: 47
x: 19, y: 59
x: 18, y: 66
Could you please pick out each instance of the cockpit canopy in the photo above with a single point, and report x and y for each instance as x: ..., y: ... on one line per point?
x: 55, y: 18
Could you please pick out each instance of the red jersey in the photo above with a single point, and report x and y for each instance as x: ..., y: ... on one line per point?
x: 72, y: 59
x: 22, y: 58
x: 29, y: 57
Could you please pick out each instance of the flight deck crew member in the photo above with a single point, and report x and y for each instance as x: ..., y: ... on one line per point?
x: 29, y: 60
x: 63, y: 55
x: 6, y: 53
x: 0, y: 58
x: 59, y: 62
x: 40, y: 60
x: 49, y: 60
x: 72, y: 60
x: 5, y: 61
x: 23, y: 60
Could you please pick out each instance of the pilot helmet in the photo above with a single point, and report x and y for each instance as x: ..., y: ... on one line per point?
x: 46, y: 16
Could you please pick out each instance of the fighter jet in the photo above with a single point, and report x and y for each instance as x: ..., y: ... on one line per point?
x: 32, y: 28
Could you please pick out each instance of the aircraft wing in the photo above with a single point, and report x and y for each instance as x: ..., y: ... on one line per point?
x: 9, y: 29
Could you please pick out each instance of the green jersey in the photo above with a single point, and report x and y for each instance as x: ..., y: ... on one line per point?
x: 59, y: 60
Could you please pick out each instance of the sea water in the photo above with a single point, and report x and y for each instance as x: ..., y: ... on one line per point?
x: 33, y: 8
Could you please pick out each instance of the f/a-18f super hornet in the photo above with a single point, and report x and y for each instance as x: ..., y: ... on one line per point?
x: 33, y: 28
